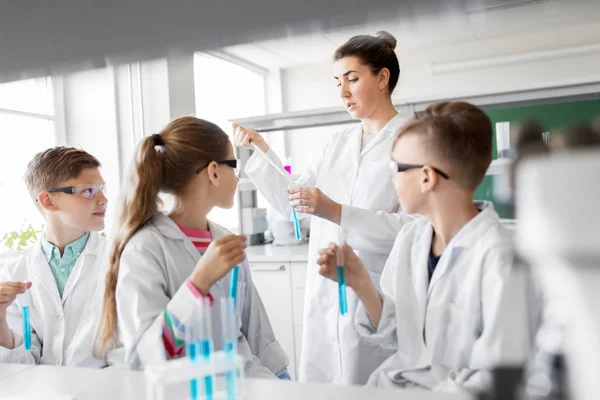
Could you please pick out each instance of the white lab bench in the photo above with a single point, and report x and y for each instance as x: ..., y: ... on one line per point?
x: 279, y: 274
x: 62, y: 383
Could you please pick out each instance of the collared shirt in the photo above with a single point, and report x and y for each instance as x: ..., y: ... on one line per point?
x: 61, y: 266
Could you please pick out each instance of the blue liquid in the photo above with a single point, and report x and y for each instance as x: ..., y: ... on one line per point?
x: 341, y: 278
x: 192, y: 353
x: 230, y: 377
x: 297, y: 231
x: 234, y: 284
x: 207, y: 346
x: 26, y: 328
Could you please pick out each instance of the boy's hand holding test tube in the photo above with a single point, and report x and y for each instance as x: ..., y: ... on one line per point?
x: 357, y: 276
x: 8, y: 294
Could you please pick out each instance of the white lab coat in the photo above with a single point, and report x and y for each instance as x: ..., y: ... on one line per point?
x: 332, y: 351
x: 63, y: 329
x: 472, y: 316
x: 154, y: 267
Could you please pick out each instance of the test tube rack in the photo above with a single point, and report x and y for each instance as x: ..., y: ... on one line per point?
x: 162, y: 380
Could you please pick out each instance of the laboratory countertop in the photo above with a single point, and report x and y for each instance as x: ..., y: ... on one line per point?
x: 51, y: 382
x: 270, y: 252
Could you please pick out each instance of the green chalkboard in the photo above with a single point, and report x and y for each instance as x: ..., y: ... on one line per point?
x: 554, y: 116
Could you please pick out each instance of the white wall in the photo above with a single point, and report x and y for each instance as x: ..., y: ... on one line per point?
x: 419, y: 82
x: 91, y: 123
x: 312, y: 86
x: 108, y: 111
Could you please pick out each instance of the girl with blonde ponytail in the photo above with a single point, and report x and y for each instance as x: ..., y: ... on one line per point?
x: 160, y: 265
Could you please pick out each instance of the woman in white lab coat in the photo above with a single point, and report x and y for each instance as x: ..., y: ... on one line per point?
x: 161, y: 266
x: 66, y: 325
x: 347, y: 188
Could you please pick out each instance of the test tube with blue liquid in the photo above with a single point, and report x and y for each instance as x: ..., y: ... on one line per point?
x: 297, y: 231
x: 199, y: 347
x: 291, y: 185
x: 341, y: 276
x: 25, y: 310
x: 233, y: 286
x: 230, y: 337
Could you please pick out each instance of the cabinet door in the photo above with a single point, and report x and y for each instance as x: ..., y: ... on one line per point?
x: 273, y: 283
x: 298, y: 270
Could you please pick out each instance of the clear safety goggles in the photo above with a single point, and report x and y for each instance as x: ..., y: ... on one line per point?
x: 88, y: 191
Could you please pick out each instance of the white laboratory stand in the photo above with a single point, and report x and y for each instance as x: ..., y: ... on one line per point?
x: 169, y: 380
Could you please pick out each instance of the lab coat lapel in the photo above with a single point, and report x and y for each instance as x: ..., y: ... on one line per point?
x: 169, y: 228
x: 354, y: 143
x: 41, y: 276
x: 450, y: 254
x: 464, y: 239
x: 84, y: 264
x: 420, y: 274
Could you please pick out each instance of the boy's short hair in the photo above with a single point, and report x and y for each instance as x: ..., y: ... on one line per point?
x: 56, y: 165
x: 460, y: 133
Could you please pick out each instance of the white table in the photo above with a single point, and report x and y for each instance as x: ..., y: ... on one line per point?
x: 7, y: 370
x: 43, y: 382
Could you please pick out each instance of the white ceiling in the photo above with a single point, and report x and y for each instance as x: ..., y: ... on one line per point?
x: 454, y: 22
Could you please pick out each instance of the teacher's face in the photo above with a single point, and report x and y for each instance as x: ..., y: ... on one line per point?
x: 360, y: 90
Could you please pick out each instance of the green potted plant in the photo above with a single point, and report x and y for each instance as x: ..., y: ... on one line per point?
x: 22, y: 239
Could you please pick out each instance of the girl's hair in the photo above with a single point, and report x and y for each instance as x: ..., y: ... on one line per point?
x: 376, y: 52
x: 164, y: 162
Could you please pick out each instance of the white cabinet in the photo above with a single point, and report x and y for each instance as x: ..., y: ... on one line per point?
x: 273, y: 283
x: 298, y: 272
x: 279, y: 273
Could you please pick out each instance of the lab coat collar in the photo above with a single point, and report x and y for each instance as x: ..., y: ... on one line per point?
x: 420, y: 275
x: 398, y: 120
x: 465, y: 238
x: 388, y: 130
x: 168, y: 228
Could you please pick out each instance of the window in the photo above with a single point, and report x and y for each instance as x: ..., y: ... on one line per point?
x: 26, y: 128
x: 223, y: 91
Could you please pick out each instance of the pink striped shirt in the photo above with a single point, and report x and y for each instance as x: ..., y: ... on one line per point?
x: 175, y: 345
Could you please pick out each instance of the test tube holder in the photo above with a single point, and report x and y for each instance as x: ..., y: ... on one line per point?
x: 160, y: 378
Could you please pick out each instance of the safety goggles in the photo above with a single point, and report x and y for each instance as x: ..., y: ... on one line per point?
x: 401, y: 167
x: 231, y: 163
x: 88, y: 191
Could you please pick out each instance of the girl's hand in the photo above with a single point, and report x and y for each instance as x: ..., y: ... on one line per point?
x: 221, y: 256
